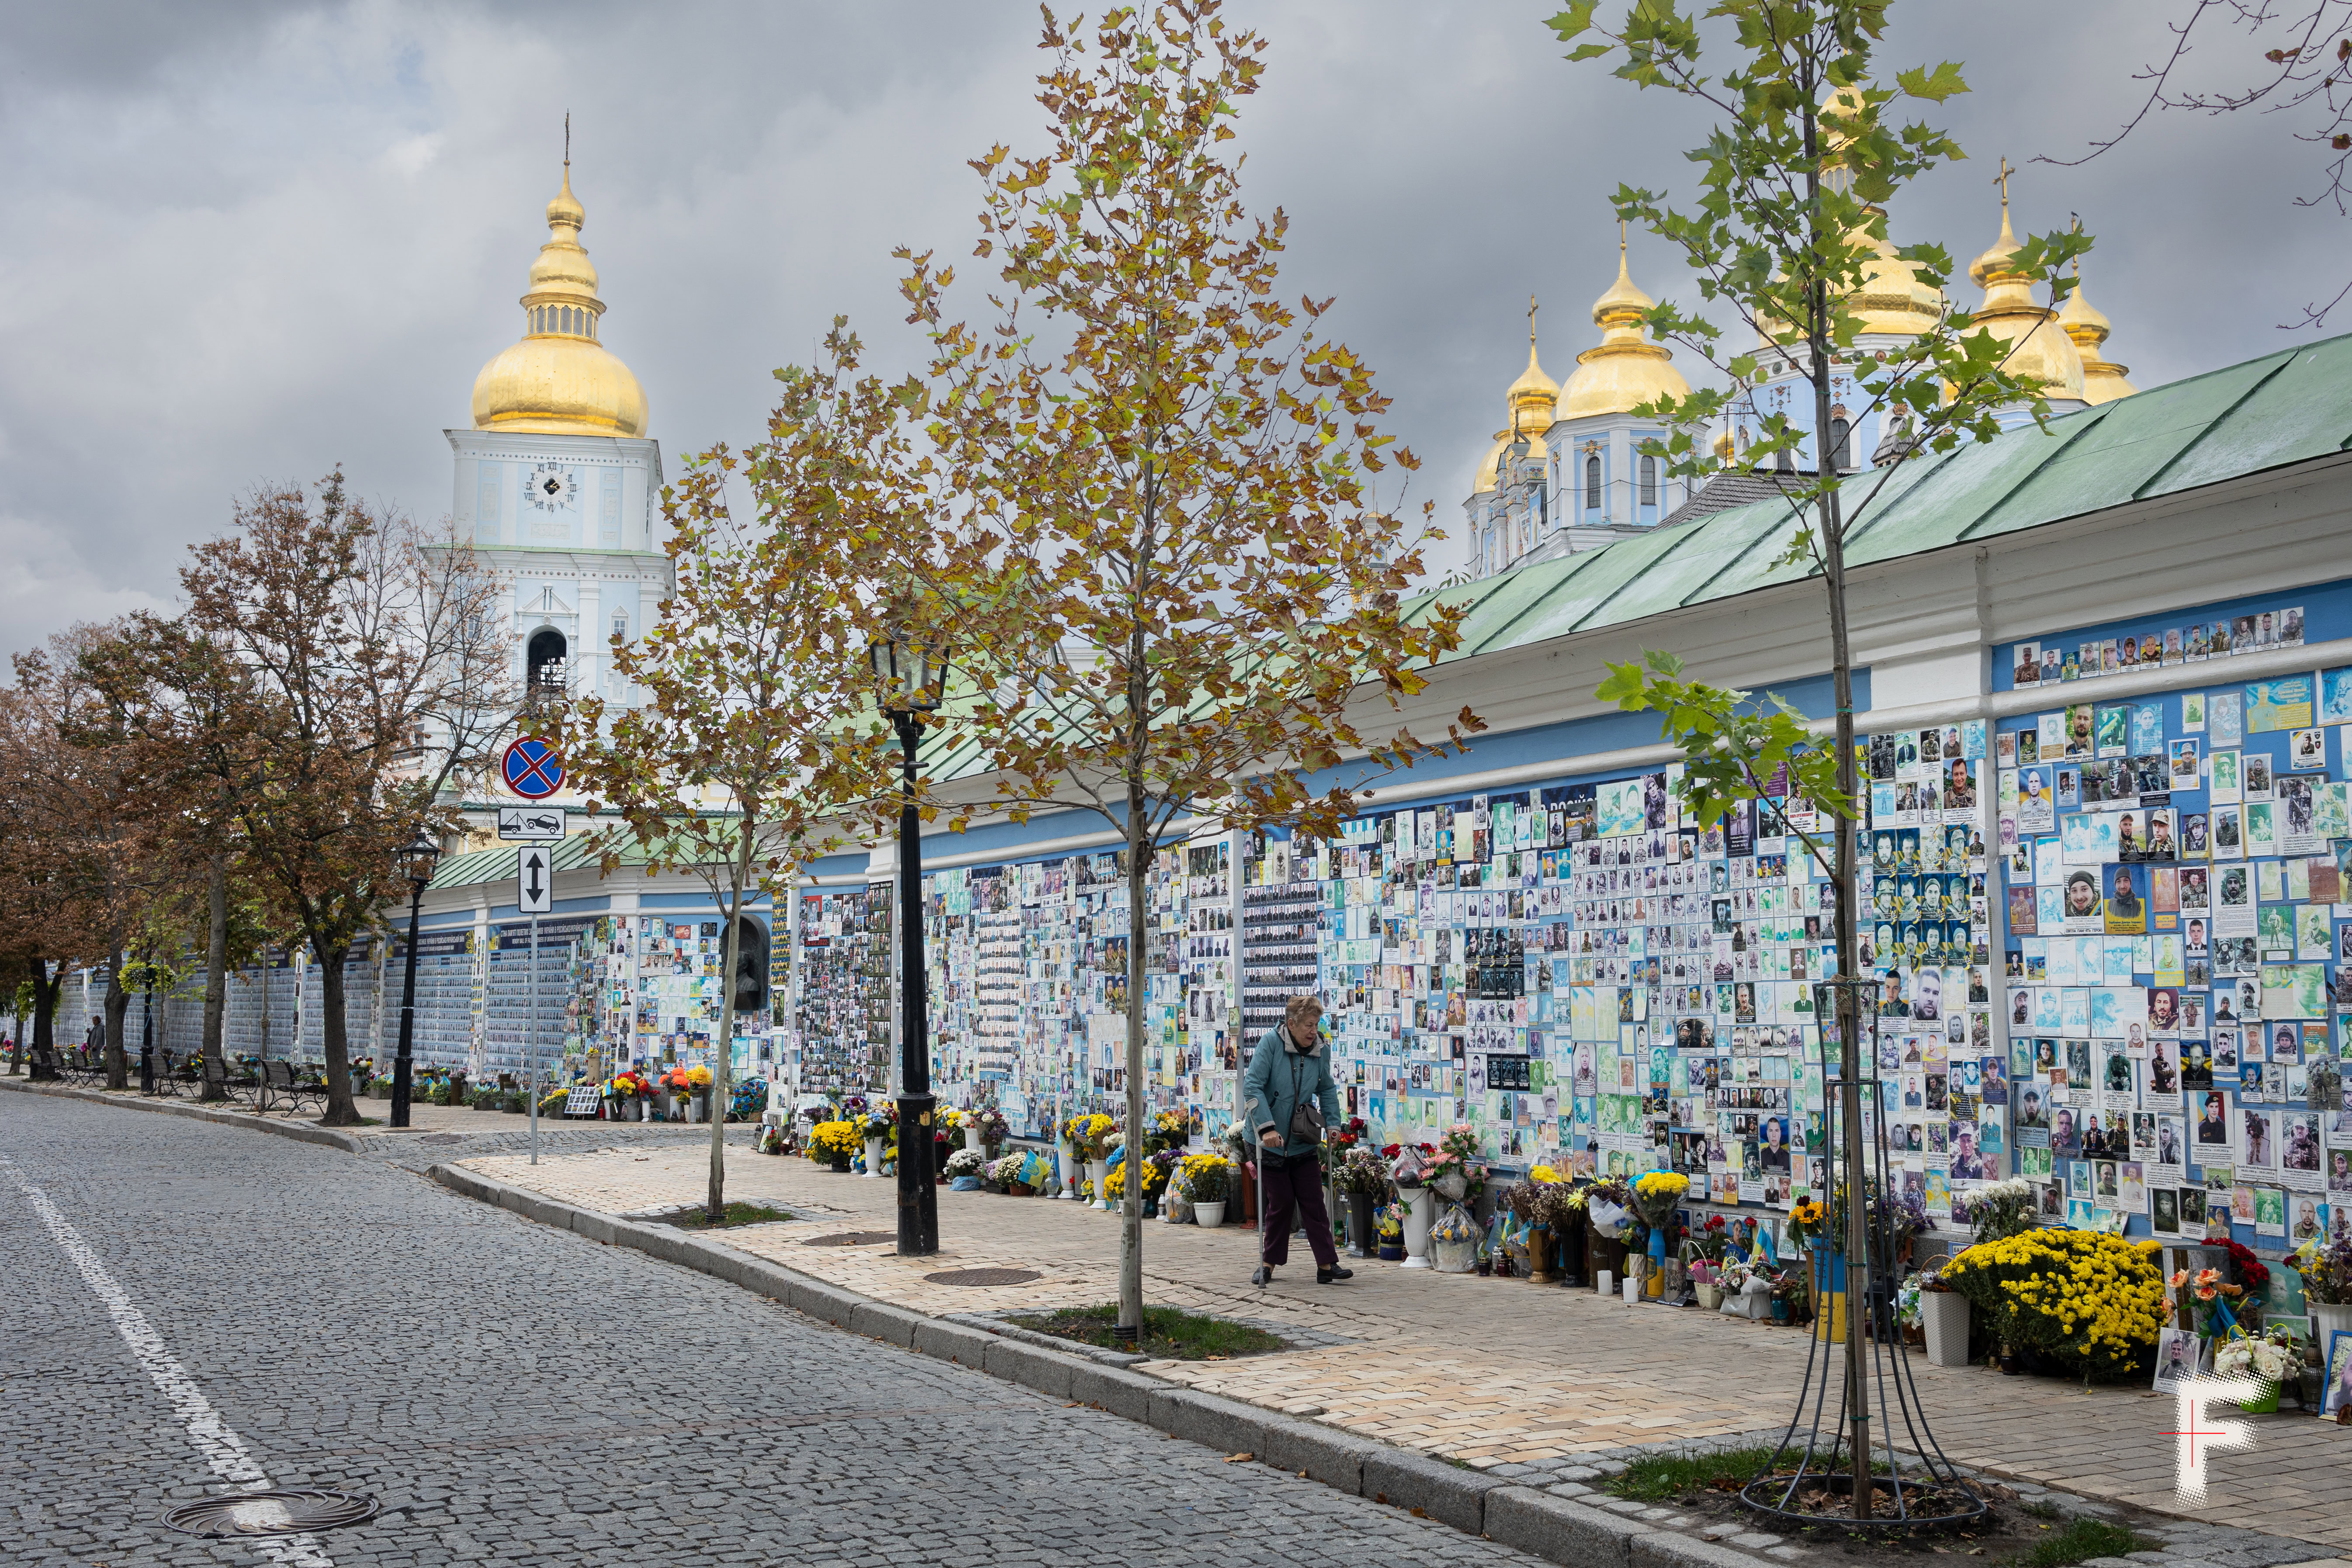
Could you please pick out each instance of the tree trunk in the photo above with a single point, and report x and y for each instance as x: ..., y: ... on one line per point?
x: 341, y: 1111
x: 44, y: 1010
x: 723, y: 1048
x: 118, y: 1003
x: 1130, y: 1222
x: 216, y: 1069
x: 1849, y: 1013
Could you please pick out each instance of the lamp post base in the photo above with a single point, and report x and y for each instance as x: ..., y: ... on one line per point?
x: 918, y: 1197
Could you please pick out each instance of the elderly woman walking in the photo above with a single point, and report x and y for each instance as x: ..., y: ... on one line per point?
x: 1289, y: 1098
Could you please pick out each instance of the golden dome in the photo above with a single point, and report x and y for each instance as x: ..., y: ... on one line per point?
x: 559, y: 380
x: 2039, y: 349
x: 2103, y: 379
x: 1892, y: 298
x: 1530, y: 401
x: 1626, y: 369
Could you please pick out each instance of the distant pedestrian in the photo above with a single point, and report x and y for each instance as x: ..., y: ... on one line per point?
x: 1289, y: 1080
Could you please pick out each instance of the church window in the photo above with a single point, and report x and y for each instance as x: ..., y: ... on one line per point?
x: 620, y: 625
x: 1593, y: 482
x: 1842, y: 442
x: 566, y: 315
x: 1649, y: 481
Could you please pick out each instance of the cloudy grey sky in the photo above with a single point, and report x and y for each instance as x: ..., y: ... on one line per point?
x: 245, y: 242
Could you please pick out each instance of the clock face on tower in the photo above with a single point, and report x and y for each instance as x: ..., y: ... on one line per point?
x: 549, y: 487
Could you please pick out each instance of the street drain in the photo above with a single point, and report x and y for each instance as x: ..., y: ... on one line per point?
x: 269, y: 1513
x: 852, y: 1239
x: 984, y: 1277
x: 442, y: 1138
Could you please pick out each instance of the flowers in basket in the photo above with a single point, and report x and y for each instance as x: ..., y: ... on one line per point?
x: 832, y: 1141
x: 964, y: 1162
x: 2265, y: 1357
x: 993, y: 1128
x: 1204, y: 1178
x: 1006, y: 1172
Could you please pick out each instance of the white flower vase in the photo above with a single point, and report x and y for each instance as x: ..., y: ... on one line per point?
x: 1073, y: 1171
x: 1098, y: 1172
x: 1210, y: 1215
x: 1421, y: 1212
x: 2327, y: 1321
x: 873, y: 1156
x: 972, y: 1139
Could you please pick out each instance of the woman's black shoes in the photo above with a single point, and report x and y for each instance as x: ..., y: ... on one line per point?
x: 1325, y: 1276
x: 1264, y: 1276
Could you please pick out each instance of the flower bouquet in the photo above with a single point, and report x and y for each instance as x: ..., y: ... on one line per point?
x: 2265, y: 1358
x: 1997, y: 1210
x: 964, y: 1164
x: 1203, y: 1180
x: 1455, y: 1173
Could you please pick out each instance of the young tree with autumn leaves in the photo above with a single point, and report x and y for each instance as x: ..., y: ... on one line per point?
x: 1172, y: 592
x: 1787, y: 234
x: 367, y: 673
x: 743, y: 752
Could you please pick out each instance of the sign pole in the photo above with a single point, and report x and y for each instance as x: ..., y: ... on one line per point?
x: 530, y: 1039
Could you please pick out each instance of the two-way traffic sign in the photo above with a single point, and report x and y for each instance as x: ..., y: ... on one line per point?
x: 535, y: 878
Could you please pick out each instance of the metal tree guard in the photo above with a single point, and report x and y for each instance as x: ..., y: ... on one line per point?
x: 1922, y: 1488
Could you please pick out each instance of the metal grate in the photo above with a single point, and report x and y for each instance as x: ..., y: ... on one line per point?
x: 984, y: 1277
x: 241, y: 1514
x: 852, y: 1239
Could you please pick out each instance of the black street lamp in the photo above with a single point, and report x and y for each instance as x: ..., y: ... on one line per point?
x: 913, y: 676
x: 416, y: 862
x: 147, y: 1032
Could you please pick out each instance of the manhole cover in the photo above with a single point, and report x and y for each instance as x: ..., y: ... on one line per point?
x: 984, y: 1277
x: 442, y: 1138
x: 852, y: 1239
x: 269, y: 1513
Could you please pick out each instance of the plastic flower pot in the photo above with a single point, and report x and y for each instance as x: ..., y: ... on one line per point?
x: 1360, y: 1225
x: 1098, y: 1172
x: 840, y: 1163
x: 1208, y: 1214
x: 2264, y: 1403
x: 1710, y: 1298
x: 1945, y: 1315
x: 1421, y: 1212
x: 873, y: 1156
x: 972, y: 1139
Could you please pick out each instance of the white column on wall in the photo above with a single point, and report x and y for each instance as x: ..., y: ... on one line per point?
x: 588, y: 647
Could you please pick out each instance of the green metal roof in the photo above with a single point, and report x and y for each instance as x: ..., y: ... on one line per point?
x: 2284, y: 408
x: 478, y: 866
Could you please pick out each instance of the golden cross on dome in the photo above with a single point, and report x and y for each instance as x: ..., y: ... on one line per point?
x: 2001, y: 180
x: 1532, y: 308
x: 567, y: 146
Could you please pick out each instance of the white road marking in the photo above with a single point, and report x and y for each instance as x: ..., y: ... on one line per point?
x: 223, y: 1449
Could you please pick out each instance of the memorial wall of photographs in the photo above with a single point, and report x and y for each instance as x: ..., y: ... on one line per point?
x: 842, y: 993
x: 1028, y: 985
x: 2177, y: 956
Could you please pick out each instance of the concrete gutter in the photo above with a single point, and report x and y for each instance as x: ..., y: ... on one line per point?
x: 132, y: 1099
x: 1558, y: 1529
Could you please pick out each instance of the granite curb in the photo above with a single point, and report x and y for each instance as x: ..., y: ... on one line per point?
x: 1556, y: 1529
x: 130, y: 1099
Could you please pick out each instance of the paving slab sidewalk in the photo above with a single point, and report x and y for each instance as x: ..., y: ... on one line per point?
x: 1498, y: 1374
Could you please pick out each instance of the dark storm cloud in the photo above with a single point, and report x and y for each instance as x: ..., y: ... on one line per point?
x: 248, y: 242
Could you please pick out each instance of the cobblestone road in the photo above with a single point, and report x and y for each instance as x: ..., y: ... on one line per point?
x: 519, y: 1395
